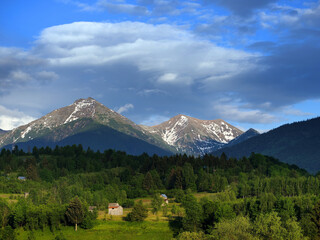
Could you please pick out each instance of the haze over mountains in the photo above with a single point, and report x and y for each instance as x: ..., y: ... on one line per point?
x: 93, y: 125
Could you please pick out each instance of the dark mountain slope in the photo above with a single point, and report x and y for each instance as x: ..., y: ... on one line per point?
x: 297, y: 143
x: 243, y: 137
x: 98, y: 138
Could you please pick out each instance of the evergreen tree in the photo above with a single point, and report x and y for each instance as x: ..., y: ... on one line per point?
x: 75, y: 212
x: 148, y: 183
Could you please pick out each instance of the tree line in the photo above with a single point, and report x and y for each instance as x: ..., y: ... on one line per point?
x: 246, y: 189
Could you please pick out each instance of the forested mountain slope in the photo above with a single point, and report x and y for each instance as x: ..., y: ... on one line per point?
x: 297, y: 143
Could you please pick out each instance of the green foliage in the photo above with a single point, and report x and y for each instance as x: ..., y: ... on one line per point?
x: 4, y: 213
x: 237, y: 228
x: 138, y: 214
x: 179, y: 195
x: 129, y: 203
x: 75, y: 212
x: 7, y: 233
x: 189, y: 177
x: 60, y: 237
x: 87, y: 223
x: 193, y: 217
x: 156, y: 203
x: 268, y: 226
x: 293, y: 229
x: 315, y: 217
x: 177, y: 210
x: 248, y: 187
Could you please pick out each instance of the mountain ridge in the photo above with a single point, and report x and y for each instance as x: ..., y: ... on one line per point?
x: 295, y: 143
x: 74, y: 118
x: 180, y: 134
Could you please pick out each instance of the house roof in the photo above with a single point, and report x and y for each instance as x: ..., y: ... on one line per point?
x: 164, y: 196
x: 113, y: 205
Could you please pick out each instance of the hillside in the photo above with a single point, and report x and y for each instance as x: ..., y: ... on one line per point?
x: 297, y: 143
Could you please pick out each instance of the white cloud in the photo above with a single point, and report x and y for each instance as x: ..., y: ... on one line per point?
x: 10, y: 119
x: 125, y: 108
x: 168, y: 77
x: 232, y: 112
x: 171, y: 54
x: 20, y: 76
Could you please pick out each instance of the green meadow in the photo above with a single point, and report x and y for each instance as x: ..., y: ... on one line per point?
x: 105, y: 230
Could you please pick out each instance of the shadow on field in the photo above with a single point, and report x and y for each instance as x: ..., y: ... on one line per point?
x: 175, y: 225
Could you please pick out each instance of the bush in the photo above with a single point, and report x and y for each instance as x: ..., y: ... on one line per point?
x: 7, y: 233
x: 138, y: 214
x: 60, y: 237
x: 129, y: 203
x: 87, y: 223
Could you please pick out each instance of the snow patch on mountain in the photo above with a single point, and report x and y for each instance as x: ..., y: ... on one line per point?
x: 25, y: 132
x: 170, y: 134
x: 79, y: 106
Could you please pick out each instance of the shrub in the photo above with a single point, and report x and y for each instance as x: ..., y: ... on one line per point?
x: 138, y: 214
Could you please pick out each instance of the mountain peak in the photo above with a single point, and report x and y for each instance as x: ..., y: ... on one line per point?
x: 252, y: 130
x: 195, y: 136
x: 85, y: 101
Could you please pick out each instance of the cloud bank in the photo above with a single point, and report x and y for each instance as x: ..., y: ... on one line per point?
x: 170, y: 68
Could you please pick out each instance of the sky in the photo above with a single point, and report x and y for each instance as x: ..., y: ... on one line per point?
x: 255, y: 64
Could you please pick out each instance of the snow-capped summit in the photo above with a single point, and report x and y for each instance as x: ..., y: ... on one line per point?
x: 195, y: 136
x: 82, y: 115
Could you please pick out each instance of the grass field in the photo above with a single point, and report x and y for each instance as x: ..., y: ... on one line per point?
x: 107, y: 230
x: 107, y: 227
x: 11, y: 197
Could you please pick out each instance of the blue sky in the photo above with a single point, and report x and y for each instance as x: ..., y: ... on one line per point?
x: 251, y: 63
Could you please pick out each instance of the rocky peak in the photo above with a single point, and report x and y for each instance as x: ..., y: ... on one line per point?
x: 187, y: 134
x: 82, y: 108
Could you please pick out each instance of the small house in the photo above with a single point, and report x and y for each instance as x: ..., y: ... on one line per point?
x: 22, y: 178
x: 92, y: 208
x: 115, y: 209
x: 165, y: 198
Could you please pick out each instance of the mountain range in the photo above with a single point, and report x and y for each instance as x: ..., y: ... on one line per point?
x: 89, y: 123
x: 93, y: 125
